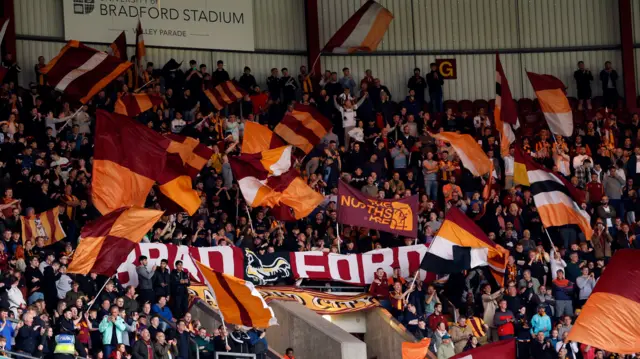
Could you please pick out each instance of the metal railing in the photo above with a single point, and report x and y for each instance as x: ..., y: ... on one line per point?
x: 234, y: 355
x: 11, y: 354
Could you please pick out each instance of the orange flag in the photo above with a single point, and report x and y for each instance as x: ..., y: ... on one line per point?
x: 417, y: 350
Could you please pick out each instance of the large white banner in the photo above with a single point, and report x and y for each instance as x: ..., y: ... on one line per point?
x: 205, y: 24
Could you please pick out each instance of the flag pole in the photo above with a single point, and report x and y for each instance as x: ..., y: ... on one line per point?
x: 100, y: 291
x: 226, y: 341
x: 70, y: 118
x: 143, y: 86
x: 249, y: 216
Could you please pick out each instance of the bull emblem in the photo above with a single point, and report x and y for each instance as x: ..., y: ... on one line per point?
x: 262, y: 274
x: 402, y: 218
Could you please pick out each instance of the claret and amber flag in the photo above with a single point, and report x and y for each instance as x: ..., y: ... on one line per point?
x: 238, y: 300
x: 363, y: 31
x: 304, y: 127
x: 268, y: 179
x: 553, y: 103
x: 505, y: 112
x: 610, y: 319
x: 118, y: 47
x: 80, y: 72
x: 258, y: 138
x: 471, y: 154
x: 106, y: 242
x: 557, y: 200
x: 140, y: 48
x: 225, y: 94
x: 122, y: 178
x: 132, y: 105
x: 45, y: 224
x: 461, y: 245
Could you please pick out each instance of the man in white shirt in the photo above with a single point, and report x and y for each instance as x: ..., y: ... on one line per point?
x: 509, y: 169
x: 178, y: 123
x: 579, y: 159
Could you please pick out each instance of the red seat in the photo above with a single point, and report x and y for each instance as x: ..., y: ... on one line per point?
x: 536, y: 104
x: 478, y: 104
x: 525, y: 105
x: 465, y: 106
x: 451, y: 104
x: 597, y: 102
x: 579, y: 118
x: 573, y: 102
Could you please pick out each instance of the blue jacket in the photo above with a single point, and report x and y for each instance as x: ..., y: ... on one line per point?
x: 254, y: 338
x: 164, y: 312
x: 8, y: 332
x: 541, y: 324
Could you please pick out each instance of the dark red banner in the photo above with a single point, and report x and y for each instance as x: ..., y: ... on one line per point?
x: 397, y: 216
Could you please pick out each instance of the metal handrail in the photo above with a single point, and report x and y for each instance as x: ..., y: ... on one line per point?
x: 23, y: 355
x: 235, y: 355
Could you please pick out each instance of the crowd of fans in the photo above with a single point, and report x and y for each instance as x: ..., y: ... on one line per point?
x: 380, y: 143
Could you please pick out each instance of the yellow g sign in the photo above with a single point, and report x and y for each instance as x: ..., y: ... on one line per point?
x: 447, y: 68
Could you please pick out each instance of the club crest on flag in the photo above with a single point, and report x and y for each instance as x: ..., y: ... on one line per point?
x: 260, y: 273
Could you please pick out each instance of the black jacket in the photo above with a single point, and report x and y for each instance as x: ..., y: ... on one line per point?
x: 27, y: 339
x: 176, y: 286
x: 435, y: 84
x: 604, y: 77
x: 161, y: 277
x: 140, y: 350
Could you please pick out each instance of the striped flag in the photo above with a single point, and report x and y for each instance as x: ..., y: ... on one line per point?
x: 45, y: 224
x: 505, y: 113
x: 132, y: 105
x: 553, y: 103
x: 461, y: 245
x: 363, y: 31
x: 81, y: 72
x: 471, y: 154
x: 140, y: 49
x: 225, y: 94
x: 238, y: 300
x: 557, y: 200
x: 258, y: 138
x: 122, y: 178
x: 304, y: 127
x: 267, y: 179
x: 610, y: 319
x: 106, y: 242
x: 118, y: 48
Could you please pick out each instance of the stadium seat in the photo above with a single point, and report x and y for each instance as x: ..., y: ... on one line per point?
x: 525, y: 105
x: 465, y: 105
x: 573, y: 102
x: 536, y: 105
x: 451, y: 104
x: 597, y: 102
x: 478, y: 104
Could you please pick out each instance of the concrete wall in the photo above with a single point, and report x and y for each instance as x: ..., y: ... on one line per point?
x: 385, y: 335
x: 311, y: 336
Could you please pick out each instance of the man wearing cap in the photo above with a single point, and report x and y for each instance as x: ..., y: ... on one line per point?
x: 446, y: 350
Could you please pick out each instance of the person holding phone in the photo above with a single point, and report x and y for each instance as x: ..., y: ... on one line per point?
x: 112, y: 328
x: 586, y: 282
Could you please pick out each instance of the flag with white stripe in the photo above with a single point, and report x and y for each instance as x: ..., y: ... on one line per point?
x: 140, y: 48
x: 471, y: 154
x: 557, y: 200
x: 461, y: 245
x: 81, y: 72
x: 505, y: 113
x: 553, y: 103
x: 363, y: 31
